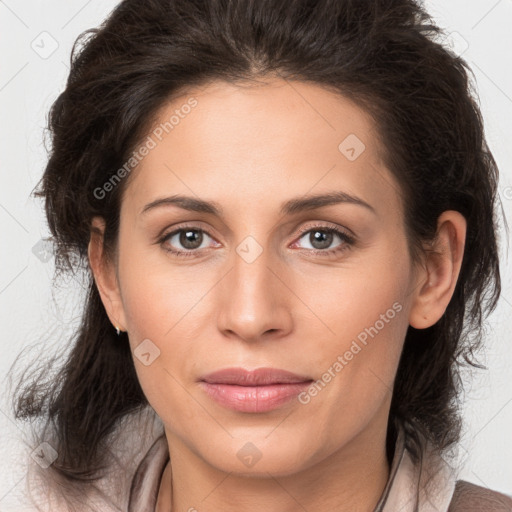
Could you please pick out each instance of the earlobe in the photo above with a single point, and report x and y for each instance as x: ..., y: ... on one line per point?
x: 104, y: 275
x: 438, y: 277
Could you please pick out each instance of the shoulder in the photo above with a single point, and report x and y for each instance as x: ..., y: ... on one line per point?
x: 469, y: 497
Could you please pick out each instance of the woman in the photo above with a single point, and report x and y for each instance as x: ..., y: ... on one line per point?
x: 284, y: 209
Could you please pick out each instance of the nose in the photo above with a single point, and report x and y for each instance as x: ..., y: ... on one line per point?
x: 256, y: 301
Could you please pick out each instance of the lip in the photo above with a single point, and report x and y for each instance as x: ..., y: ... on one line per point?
x: 257, y: 377
x: 259, y: 390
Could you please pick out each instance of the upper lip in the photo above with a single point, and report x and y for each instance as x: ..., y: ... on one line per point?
x: 257, y: 377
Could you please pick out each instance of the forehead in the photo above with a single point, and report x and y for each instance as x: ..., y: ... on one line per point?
x: 230, y: 141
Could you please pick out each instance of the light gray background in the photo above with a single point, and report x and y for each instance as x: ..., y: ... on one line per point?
x: 35, y: 43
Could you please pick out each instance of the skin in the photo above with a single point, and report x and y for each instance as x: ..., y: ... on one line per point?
x: 250, y: 149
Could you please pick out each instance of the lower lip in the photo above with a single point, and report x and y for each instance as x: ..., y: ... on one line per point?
x: 253, y: 398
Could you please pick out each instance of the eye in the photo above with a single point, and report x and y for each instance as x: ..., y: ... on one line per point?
x: 190, y: 238
x: 321, y: 238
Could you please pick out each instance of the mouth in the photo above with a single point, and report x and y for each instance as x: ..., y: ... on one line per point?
x: 260, y: 390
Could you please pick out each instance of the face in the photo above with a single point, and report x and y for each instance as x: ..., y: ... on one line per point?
x: 322, y: 290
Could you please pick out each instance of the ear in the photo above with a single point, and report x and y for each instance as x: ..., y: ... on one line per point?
x: 105, y: 276
x: 438, y: 276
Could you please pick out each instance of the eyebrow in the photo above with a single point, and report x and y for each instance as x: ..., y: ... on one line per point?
x: 290, y: 207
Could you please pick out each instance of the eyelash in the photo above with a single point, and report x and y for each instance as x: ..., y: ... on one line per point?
x: 346, y: 238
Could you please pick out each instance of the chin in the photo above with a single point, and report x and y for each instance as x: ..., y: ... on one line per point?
x: 256, y: 458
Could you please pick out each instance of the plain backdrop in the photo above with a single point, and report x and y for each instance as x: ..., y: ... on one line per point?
x: 36, y: 37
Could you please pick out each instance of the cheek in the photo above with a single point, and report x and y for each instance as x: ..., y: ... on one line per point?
x: 356, y: 347
x: 367, y: 294
x: 157, y: 320
x: 156, y: 292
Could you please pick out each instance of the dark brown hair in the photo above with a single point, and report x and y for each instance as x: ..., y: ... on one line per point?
x: 386, y: 56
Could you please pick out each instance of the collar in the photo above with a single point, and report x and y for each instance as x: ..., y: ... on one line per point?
x: 427, y: 486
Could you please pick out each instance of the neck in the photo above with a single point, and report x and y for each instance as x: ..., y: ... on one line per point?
x: 351, y: 478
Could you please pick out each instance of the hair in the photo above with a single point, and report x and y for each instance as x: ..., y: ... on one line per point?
x: 385, y: 55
